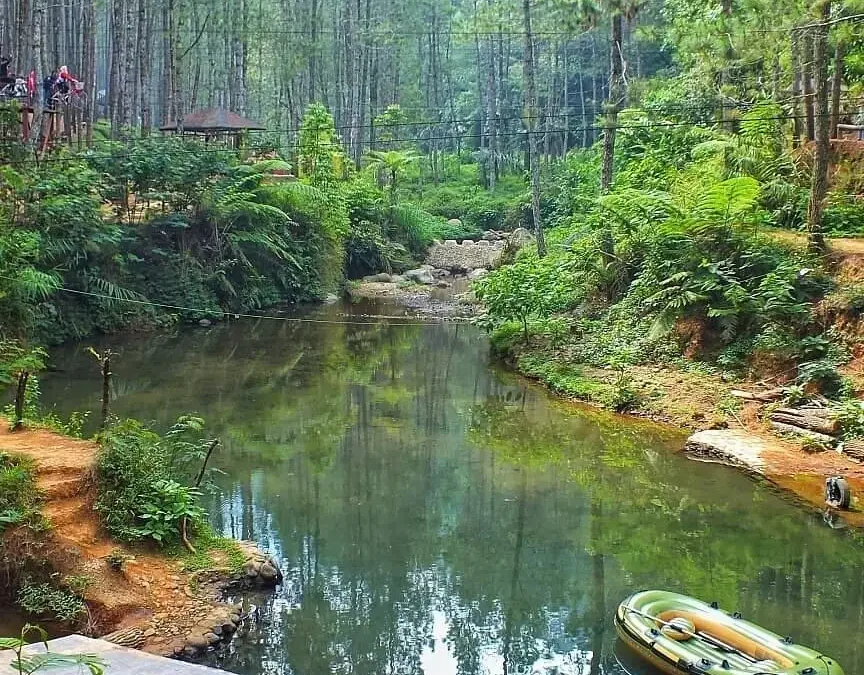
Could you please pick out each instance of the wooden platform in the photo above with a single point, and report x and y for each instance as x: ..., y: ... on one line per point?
x: 119, y: 660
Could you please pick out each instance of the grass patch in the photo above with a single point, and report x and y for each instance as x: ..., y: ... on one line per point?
x: 212, y: 551
x: 564, y: 378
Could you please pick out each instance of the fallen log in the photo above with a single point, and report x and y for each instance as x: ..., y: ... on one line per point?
x: 807, y: 433
x: 761, y: 396
x: 854, y: 449
x: 822, y: 425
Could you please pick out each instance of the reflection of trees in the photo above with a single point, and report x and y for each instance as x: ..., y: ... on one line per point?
x: 423, y: 506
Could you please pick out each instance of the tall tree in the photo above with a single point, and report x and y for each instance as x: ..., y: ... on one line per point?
x: 531, y: 125
x: 819, y: 181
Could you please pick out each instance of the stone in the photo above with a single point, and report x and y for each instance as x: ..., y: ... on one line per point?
x: 383, y: 278
x: 733, y: 446
x: 228, y: 628
x: 331, y: 299
x: 397, y: 279
x: 443, y: 284
x: 268, y: 572
x: 251, y: 569
x: 197, y: 642
x: 205, y: 323
x: 212, y: 638
x: 234, y: 618
x: 474, y: 275
x: 491, y: 235
x: 520, y: 238
x: 217, y: 630
x: 150, y: 632
x: 421, y: 276
x: 454, y: 222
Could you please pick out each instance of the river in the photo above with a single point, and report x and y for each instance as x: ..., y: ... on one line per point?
x: 436, y: 514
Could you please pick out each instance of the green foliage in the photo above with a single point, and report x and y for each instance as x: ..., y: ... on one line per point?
x: 144, y: 480
x: 850, y: 414
x: 51, y: 602
x: 844, y: 216
x: 19, y: 497
x: 321, y: 159
x: 527, y: 289
x: 47, y: 660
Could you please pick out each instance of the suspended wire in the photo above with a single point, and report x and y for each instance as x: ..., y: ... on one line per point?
x: 393, y: 321
x: 522, y: 133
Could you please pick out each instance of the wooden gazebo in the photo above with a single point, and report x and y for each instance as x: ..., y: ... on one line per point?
x: 215, y: 124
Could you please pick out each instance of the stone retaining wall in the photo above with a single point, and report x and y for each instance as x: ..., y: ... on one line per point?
x: 467, y: 256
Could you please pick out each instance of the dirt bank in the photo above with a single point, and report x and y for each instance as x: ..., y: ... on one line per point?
x: 154, y: 593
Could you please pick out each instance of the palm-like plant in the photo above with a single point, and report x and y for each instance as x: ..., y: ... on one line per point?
x: 393, y: 162
x: 25, y: 665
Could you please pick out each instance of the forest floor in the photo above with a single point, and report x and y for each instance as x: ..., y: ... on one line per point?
x: 159, y: 594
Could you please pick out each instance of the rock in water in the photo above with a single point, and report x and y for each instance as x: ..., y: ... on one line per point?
x: 331, y: 299
x: 205, y: 323
x: 421, y: 276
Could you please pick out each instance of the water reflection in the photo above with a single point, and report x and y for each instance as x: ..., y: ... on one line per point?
x: 436, y: 516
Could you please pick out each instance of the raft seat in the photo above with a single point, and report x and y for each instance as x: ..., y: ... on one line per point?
x: 728, y: 635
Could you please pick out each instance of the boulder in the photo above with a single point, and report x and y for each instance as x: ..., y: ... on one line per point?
x: 454, y: 222
x: 491, y: 235
x: 383, y: 278
x: 397, y: 279
x: 331, y: 299
x: 205, y: 323
x: 474, y: 275
x: 443, y: 284
x: 268, y: 572
x: 520, y: 238
x: 421, y: 276
x: 198, y: 642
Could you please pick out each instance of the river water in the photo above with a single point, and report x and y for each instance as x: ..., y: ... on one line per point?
x: 434, y: 514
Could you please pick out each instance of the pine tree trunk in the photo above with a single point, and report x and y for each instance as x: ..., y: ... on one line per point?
x: 807, y: 67
x: 531, y: 115
x: 89, y: 63
x: 819, y: 184
x: 797, y: 78
x: 615, y: 98
x: 145, y: 20
x: 837, y: 86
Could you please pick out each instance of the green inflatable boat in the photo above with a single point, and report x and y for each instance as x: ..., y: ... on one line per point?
x: 678, y: 635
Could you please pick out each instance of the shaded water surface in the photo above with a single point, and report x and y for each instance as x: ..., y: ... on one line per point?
x: 434, y: 515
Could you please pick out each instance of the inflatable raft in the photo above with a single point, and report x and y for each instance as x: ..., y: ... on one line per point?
x: 678, y: 634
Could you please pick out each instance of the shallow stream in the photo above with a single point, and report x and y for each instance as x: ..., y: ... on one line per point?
x: 436, y: 514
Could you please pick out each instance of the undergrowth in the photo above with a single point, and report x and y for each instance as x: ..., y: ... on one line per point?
x: 145, y: 481
x: 19, y: 496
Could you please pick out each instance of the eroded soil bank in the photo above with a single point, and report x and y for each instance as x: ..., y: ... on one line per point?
x: 158, y: 603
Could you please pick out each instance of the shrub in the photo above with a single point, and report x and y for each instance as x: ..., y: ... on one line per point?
x: 142, y: 480
x: 19, y: 497
x: 50, y: 602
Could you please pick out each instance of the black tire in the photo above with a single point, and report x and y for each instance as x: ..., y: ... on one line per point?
x: 838, y: 493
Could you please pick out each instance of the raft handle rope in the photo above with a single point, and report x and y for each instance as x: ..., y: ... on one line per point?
x: 699, y: 636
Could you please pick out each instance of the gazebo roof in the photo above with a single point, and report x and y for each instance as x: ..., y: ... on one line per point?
x: 215, y: 119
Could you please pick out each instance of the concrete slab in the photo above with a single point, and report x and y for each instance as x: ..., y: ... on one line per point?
x: 119, y: 660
